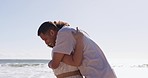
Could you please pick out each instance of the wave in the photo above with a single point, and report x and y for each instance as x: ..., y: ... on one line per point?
x: 141, y: 66
x: 45, y: 64
x: 133, y: 66
x: 22, y: 65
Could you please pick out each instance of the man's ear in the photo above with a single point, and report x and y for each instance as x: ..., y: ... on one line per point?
x: 52, y: 32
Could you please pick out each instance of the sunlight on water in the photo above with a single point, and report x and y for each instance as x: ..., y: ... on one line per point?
x: 129, y: 68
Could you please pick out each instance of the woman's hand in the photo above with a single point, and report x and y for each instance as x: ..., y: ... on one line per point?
x: 77, y: 35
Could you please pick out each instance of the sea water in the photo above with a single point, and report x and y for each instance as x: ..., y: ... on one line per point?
x: 25, y: 69
x: 12, y: 68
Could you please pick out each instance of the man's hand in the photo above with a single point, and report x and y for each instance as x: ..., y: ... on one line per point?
x: 49, y: 64
x: 57, y: 58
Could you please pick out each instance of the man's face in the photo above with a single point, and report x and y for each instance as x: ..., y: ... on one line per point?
x: 49, y: 38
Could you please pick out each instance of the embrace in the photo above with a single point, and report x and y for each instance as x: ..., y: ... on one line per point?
x: 74, y: 55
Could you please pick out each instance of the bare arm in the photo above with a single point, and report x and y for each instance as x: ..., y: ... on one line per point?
x: 57, y: 58
x: 76, y: 58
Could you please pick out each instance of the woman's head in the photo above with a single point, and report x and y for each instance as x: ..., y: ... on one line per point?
x: 48, y: 31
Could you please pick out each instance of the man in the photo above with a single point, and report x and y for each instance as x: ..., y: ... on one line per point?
x: 89, y: 59
x: 55, y: 35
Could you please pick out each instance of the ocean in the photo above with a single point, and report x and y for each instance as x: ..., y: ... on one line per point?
x: 25, y: 68
x: 36, y: 68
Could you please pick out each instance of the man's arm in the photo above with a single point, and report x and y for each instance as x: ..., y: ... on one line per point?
x: 76, y: 58
x: 57, y: 58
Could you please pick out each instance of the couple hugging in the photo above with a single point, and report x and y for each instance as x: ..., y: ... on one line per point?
x: 74, y: 55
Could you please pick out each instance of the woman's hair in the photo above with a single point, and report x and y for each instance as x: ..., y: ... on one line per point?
x: 56, y: 25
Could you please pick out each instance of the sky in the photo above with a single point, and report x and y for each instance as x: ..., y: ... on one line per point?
x: 119, y: 27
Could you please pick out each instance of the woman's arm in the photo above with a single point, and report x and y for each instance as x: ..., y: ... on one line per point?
x: 76, y: 58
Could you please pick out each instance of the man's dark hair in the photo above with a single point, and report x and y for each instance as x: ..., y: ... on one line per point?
x: 51, y: 25
x: 44, y: 27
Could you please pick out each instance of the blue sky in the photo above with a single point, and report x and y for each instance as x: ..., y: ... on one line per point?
x: 119, y: 27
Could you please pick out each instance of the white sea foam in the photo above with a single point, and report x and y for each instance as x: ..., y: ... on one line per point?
x: 41, y: 70
x: 25, y: 71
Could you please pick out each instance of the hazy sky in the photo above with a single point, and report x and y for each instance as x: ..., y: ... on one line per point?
x: 119, y: 27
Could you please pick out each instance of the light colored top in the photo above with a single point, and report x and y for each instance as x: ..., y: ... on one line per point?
x: 94, y: 64
x: 63, y: 68
x: 62, y: 46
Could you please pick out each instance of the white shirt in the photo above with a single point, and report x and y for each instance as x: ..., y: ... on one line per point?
x: 64, y: 36
x: 94, y: 64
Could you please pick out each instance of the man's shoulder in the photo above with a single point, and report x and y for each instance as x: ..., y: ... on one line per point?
x: 66, y: 29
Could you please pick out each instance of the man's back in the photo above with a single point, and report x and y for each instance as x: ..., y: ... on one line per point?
x: 94, y: 64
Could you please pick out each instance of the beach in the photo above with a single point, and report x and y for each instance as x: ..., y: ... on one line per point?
x: 39, y: 69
